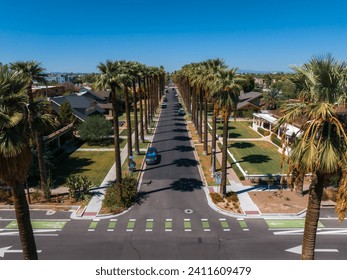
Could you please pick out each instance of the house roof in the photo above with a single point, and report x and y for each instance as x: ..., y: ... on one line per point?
x: 79, y: 104
x: 249, y: 96
x: 246, y: 104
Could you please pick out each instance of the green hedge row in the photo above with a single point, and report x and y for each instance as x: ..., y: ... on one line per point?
x: 276, y: 140
x: 263, y: 132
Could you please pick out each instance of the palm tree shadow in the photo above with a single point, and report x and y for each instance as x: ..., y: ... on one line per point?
x: 186, y: 185
x: 182, y: 185
x: 255, y: 159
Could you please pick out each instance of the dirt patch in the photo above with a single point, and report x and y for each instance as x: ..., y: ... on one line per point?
x: 281, y: 201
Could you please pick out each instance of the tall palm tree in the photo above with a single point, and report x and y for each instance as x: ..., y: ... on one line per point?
x: 226, y: 95
x: 124, y: 75
x: 33, y: 71
x: 134, y: 73
x: 271, y: 99
x: 321, y: 148
x: 108, y: 79
x: 139, y: 80
x: 15, y: 152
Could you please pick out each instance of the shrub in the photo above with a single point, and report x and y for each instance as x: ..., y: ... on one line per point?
x: 36, y: 195
x: 114, y: 201
x: 5, y: 196
x: 276, y: 140
x: 78, y: 186
x: 263, y: 132
x: 232, y: 196
x: 216, y: 197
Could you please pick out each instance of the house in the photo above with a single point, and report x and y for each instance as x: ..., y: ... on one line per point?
x: 102, y: 97
x: 82, y: 107
x: 249, y: 101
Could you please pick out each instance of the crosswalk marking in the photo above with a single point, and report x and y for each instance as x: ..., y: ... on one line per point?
x: 224, y: 224
x: 131, y: 225
x: 149, y: 225
x: 243, y: 224
x: 93, y: 225
x: 187, y: 225
x: 112, y: 225
x: 205, y: 225
x: 168, y: 225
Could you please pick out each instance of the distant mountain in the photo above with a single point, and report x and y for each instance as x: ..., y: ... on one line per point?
x: 244, y: 71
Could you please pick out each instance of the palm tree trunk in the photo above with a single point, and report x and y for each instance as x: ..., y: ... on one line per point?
x: 214, y: 132
x: 41, y: 160
x: 127, y: 112
x: 142, y: 133
x: 26, y: 234
x: 145, y: 86
x: 200, y: 117
x: 205, y: 127
x: 224, y: 155
x: 38, y: 144
x: 312, y: 217
x: 118, y: 164
x: 136, y: 127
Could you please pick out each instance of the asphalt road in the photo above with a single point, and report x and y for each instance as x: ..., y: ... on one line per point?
x: 173, y: 220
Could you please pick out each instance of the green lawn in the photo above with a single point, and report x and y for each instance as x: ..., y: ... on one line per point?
x: 238, y: 130
x: 95, y: 165
x: 108, y: 145
x: 259, y: 157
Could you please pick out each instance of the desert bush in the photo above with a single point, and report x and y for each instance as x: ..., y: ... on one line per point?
x: 5, y: 196
x: 216, y: 197
x: 121, y: 195
x: 36, y: 195
x: 232, y: 196
x: 78, y: 186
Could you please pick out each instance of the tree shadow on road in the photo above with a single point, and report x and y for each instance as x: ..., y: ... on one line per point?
x: 181, y: 185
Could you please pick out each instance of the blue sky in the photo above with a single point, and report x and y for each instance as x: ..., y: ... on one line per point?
x: 252, y: 35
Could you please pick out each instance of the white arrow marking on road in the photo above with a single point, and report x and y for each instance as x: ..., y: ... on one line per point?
x: 5, y: 250
x: 298, y: 250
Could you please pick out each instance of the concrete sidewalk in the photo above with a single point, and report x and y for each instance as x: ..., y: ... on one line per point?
x: 235, y: 185
x: 94, y: 206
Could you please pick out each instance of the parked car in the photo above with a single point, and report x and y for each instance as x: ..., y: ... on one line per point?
x: 152, y: 156
x: 181, y: 112
x: 163, y: 105
x: 178, y: 104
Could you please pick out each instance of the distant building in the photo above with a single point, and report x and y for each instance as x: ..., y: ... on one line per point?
x: 82, y: 107
x: 249, y: 101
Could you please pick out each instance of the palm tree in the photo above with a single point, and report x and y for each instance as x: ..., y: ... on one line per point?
x: 108, y: 79
x: 271, y: 99
x: 33, y: 71
x: 226, y: 95
x: 124, y: 75
x: 321, y: 148
x: 134, y: 70
x: 15, y: 152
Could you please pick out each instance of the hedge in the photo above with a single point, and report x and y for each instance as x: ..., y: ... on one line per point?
x: 276, y: 140
x: 263, y: 132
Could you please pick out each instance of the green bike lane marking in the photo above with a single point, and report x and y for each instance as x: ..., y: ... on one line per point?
x: 292, y: 223
x: 58, y: 225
